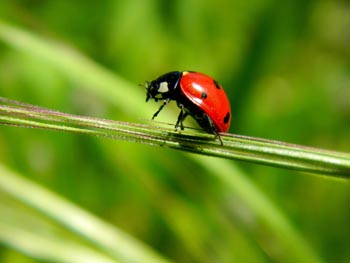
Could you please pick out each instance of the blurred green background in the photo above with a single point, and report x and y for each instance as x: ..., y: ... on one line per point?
x: 285, y: 67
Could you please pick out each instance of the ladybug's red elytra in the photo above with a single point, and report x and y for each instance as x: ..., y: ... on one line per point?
x: 197, y: 95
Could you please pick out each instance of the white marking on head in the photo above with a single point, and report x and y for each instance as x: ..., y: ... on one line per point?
x: 163, y: 87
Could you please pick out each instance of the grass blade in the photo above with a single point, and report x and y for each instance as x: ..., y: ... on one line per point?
x: 267, y: 152
x: 104, y: 236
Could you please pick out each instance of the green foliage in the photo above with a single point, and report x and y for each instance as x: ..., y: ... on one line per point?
x: 284, y: 67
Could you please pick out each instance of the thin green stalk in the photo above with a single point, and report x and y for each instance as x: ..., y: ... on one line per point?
x: 267, y: 152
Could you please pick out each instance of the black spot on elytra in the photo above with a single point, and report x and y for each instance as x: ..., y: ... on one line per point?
x: 204, y: 95
x: 217, y: 85
x: 227, y: 118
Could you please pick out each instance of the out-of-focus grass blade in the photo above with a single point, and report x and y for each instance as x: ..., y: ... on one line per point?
x: 48, y: 248
x: 297, y: 249
x: 76, y: 66
x: 112, y: 241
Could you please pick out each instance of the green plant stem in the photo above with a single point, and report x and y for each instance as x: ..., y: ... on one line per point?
x: 262, y: 151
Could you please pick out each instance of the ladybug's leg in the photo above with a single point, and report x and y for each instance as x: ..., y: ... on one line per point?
x: 179, y: 119
x: 161, y: 107
x: 219, y: 137
x: 182, y: 120
x: 182, y: 116
x: 213, y: 128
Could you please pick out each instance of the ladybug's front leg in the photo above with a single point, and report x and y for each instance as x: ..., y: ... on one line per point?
x: 161, y: 107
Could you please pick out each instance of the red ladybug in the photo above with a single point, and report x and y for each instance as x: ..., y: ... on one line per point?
x: 196, y: 94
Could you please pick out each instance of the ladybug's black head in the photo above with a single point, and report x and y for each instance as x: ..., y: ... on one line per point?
x: 163, y: 87
x: 156, y: 90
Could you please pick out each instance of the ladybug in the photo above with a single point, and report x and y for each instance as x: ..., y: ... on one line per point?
x: 197, y: 95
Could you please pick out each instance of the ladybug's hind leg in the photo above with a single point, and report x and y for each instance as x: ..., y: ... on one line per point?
x: 207, y: 123
x: 215, y: 132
